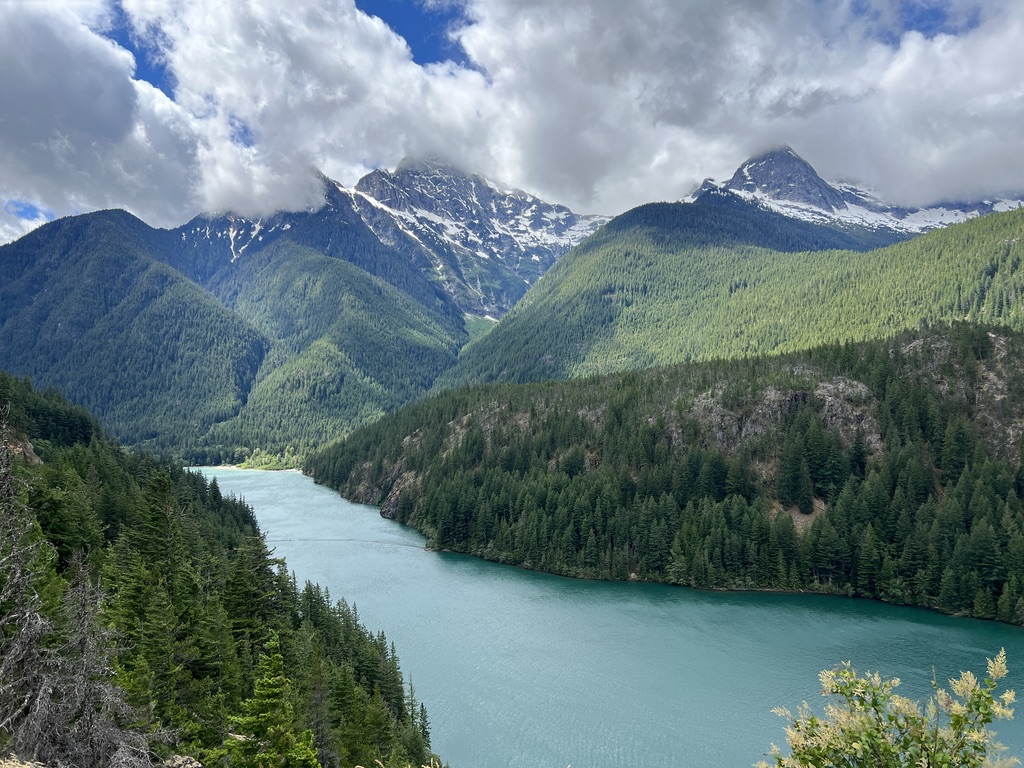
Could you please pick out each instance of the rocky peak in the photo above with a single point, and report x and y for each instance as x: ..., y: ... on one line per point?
x: 499, y: 239
x: 781, y: 174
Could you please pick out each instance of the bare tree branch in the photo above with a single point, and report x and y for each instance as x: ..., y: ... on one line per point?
x: 23, y: 628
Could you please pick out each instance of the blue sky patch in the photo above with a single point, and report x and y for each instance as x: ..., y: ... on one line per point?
x: 933, y: 17
x: 23, y: 209
x: 241, y: 133
x: 149, y: 64
x: 929, y: 17
x: 423, y: 25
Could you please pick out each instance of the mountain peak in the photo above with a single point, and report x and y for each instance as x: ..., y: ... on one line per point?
x: 781, y: 174
x: 427, y: 165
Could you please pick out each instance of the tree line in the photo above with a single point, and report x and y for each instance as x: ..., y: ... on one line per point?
x: 749, y: 474
x: 142, y: 613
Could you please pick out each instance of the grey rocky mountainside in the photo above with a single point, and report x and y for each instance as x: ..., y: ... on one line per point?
x: 480, y: 244
x: 493, y: 240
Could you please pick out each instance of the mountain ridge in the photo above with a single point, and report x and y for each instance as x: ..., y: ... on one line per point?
x: 485, y: 244
x: 786, y: 183
x: 647, y: 290
x: 227, y: 334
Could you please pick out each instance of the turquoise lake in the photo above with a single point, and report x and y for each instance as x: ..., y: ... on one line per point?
x: 526, y: 670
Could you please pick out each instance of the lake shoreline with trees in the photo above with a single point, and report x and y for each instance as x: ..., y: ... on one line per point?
x: 689, y: 474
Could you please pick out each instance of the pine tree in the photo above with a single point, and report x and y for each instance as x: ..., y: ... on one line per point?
x: 265, y: 731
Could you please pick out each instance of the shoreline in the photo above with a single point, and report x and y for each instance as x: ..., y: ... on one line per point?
x: 201, y: 467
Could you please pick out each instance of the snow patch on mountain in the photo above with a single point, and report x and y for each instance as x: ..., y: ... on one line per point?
x: 485, y: 243
x: 495, y: 237
x: 784, y: 182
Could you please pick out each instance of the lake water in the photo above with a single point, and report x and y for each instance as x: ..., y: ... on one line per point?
x: 527, y: 670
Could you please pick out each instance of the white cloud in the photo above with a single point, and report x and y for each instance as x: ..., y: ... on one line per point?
x: 13, y: 225
x: 78, y: 133
x: 612, y: 104
x: 600, y: 104
x: 313, y: 86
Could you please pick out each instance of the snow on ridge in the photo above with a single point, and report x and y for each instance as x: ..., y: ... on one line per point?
x: 472, y: 213
x: 1002, y: 206
x: 871, y: 212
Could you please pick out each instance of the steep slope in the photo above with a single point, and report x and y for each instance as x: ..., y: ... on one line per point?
x: 451, y: 240
x: 888, y: 469
x: 347, y: 348
x: 724, y: 278
x: 211, y: 245
x: 784, y: 182
x: 177, y: 620
x: 488, y: 243
x: 85, y: 306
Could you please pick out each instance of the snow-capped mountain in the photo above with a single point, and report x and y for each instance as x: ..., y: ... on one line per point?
x: 783, y: 181
x: 498, y: 240
x: 485, y: 244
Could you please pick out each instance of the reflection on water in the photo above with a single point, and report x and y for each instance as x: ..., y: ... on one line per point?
x: 520, y: 669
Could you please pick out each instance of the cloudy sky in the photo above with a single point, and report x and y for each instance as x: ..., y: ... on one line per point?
x: 171, y: 107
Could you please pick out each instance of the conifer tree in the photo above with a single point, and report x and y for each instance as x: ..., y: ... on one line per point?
x: 265, y: 734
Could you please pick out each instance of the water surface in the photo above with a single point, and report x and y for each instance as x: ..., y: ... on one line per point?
x: 521, y: 669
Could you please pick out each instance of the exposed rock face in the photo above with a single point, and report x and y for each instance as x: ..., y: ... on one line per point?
x: 485, y: 244
x: 23, y: 450
x: 498, y: 240
x: 781, y: 174
x: 843, y: 407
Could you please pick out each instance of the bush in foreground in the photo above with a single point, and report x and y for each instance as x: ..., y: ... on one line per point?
x: 873, y: 727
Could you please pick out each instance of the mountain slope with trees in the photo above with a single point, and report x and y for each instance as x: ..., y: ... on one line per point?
x: 275, y: 351
x: 347, y: 348
x: 720, y: 278
x: 227, y: 336
x: 198, y: 640
x: 87, y: 307
x: 887, y: 469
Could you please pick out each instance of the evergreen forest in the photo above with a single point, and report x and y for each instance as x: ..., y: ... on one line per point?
x: 202, y: 344
x: 672, y: 282
x: 885, y: 469
x: 181, y: 347
x: 142, y: 614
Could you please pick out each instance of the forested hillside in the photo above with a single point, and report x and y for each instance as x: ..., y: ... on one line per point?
x: 886, y: 469
x: 347, y: 348
x: 675, y: 282
x: 141, y: 613
x: 87, y: 308
x: 220, y: 356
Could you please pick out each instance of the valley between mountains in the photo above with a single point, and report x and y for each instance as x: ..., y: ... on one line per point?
x: 227, y: 340
x: 758, y: 386
x: 775, y: 383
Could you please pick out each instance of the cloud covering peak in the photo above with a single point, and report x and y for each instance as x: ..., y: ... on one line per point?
x: 601, y: 105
